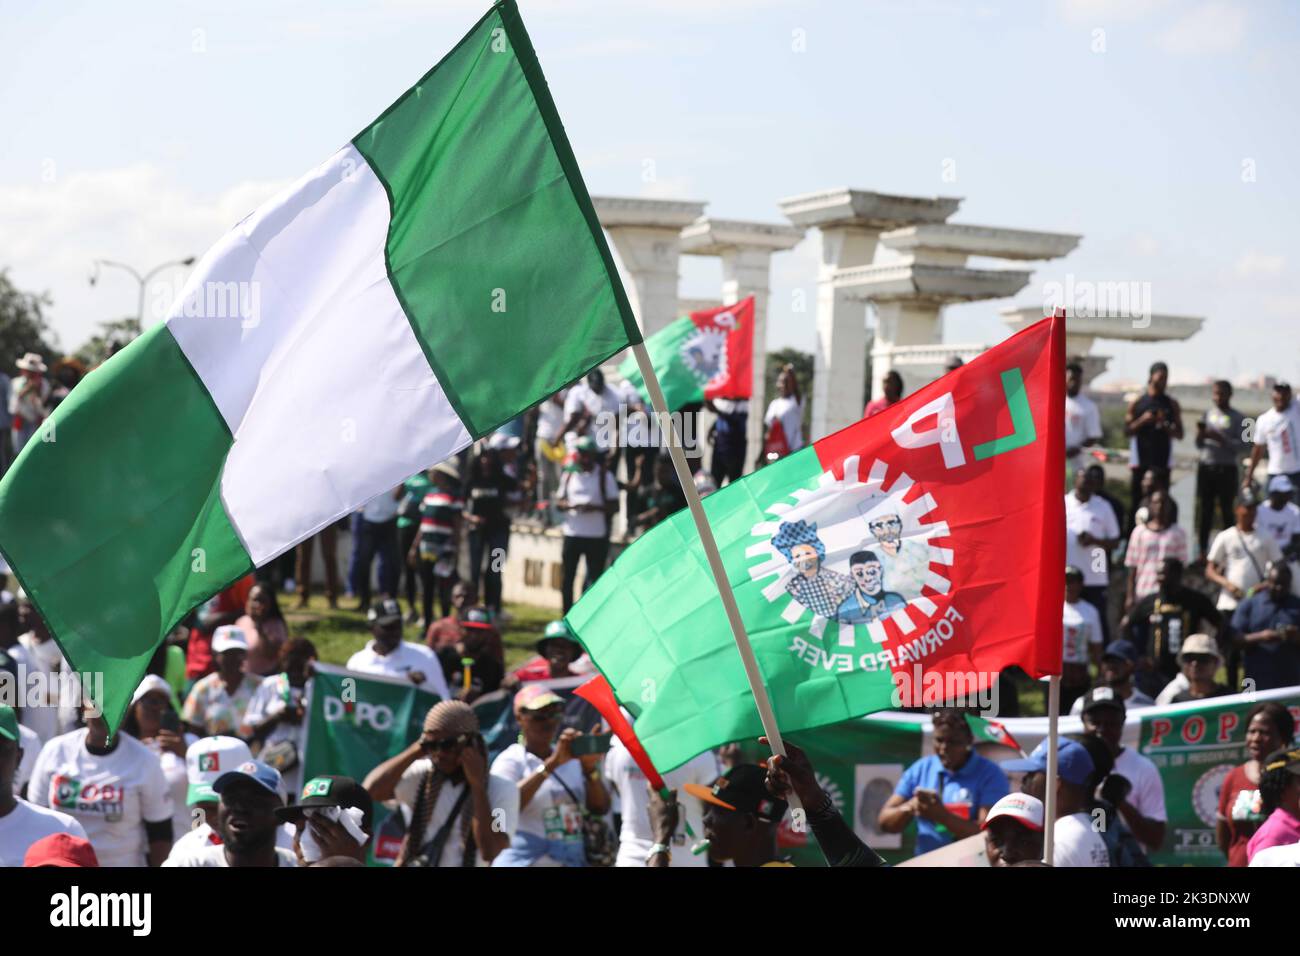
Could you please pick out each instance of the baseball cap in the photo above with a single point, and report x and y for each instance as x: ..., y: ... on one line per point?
x: 152, y: 683
x: 477, y: 617
x: 1199, y: 644
x: 9, y: 724
x: 1284, y: 759
x: 535, y: 697
x: 61, y: 849
x: 228, y: 638
x: 329, y: 790
x: 266, y: 777
x: 1073, y: 763
x: 742, y: 788
x: 1281, y: 484
x: 207, y: 759
x: 1021, y: 807
x: 1103, y: 696
x: 586, y: 443
x: 1124, y: 650
x: 384, y: 612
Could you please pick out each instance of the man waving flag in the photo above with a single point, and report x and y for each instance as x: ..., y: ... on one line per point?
x: 904, y: 560
x: 433, y: 278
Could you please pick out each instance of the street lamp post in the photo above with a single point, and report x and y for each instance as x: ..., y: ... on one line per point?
x: 141, y: 280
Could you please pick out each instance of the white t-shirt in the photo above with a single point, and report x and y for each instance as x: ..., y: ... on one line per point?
x: 31, y: 745
x: 550, y: 419
x: 1280, y: 432
x: 178, y: 782
x: 267, y: 701
x: 1244, y: 556
x: 38, y: 657
x: 1288, y: 855
x: 1148, y: 793
x: 603, y: 409
x: 583, y: 488
x: 1082, y: 420
x: 790, y: 414
x: 1077, y: 843
x: 1096, y: 517
x: 503, y: 794
x: 215, y: 855
x: 636, y: 837
x: 382, y: 507
x: 110, y: 795
x: 25, y: 824
x: 551, y: 813
x: 1082, y: 628
x: 192, y: 839
x: 405, y: 658
x: 1279, y: 525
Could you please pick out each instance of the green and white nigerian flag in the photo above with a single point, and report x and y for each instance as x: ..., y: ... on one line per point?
x: 432, y: 279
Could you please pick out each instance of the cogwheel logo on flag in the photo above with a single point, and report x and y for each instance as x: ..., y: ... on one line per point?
x: 853, y: 552
x: 705, y: 352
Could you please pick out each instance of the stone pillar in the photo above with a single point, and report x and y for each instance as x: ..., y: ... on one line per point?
x: 839, y: 368
x: 745, y: 249
x: 851, y: 221
x: 902, y: 322
x: 646, y: 233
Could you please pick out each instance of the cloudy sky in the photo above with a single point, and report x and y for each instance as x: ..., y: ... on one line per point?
x: 1162, y: 131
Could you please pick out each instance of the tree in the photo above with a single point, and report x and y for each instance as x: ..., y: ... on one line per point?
x: 112, y: 335
x: 23, y: 326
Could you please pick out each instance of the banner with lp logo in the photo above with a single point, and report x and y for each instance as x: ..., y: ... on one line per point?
x: 356, y: 722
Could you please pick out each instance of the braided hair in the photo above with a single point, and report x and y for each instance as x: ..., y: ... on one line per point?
x: 425, y: 800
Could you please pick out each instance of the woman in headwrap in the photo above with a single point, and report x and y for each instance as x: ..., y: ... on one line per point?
x: 457, y: 813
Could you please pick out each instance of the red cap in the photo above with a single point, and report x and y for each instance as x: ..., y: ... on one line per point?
x: 61, y: 849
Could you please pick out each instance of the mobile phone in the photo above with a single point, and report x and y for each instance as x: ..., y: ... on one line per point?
x: 590, y: 744
x: 170, y: 721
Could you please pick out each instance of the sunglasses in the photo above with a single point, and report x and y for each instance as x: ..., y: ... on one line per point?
x: 1199, y: 659
x: 451, y: 743
x: 546, y: 713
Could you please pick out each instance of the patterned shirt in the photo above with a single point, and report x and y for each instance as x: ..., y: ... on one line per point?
x: 823, y: 593
x: 1147, y: 548
x: 439, y: 517
x: 217, y: 712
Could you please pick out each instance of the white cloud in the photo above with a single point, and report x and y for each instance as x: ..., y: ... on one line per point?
x: 135, y: 214
x: 1209, y: 28
x: 1101, y: 12
x: 1253, y: 264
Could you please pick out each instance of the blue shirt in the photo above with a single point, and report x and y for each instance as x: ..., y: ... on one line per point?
x: 979, y: 783
x: 1275, y: 663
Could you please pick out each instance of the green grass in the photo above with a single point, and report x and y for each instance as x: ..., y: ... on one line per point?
x: 339, y: 633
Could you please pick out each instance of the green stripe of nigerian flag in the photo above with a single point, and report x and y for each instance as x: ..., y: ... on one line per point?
x: 431, y: 280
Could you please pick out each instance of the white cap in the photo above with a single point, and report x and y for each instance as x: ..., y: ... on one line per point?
x: 1021, y: 807
x: 228, y: 638
x: 1280, y: 484
x: 207, y: 759
x: 150, y: 684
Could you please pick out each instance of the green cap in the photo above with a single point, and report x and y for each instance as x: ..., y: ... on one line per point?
x: 558, y: 628
x: 8, y: 724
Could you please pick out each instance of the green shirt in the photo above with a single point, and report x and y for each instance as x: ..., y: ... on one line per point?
x: 408, y: 510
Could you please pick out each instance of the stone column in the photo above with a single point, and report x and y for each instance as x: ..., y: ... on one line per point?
x: 851, y: 221
x: 745, y: 249
x: 646, y: 233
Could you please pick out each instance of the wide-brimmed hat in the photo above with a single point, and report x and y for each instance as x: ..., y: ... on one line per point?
x: 31, y: 362
x: 447, y: 468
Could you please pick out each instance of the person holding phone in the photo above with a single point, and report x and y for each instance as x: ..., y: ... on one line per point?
x: 153, y: 721
x: 551, y: 781
x: 457, y: 812
x: 948, y: 793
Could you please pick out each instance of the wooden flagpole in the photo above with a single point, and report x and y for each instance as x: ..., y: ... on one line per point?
x: 1049, y: 804
x: 752, y: 673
